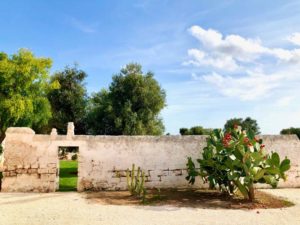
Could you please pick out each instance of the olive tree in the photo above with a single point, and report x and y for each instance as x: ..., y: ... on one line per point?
x: 69, y: 102
x: 24, y: 83
x: 130, y: 106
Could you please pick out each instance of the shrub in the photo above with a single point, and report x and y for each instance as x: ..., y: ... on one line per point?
x: 291, y: 130
x: 247, y: 124
x: 197, y: 130
x: 135, y: 182
x: 74, y: 157
x: 184, y: 131
x: 237, y: 160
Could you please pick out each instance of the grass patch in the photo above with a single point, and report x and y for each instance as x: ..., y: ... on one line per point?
x: 68, y: 175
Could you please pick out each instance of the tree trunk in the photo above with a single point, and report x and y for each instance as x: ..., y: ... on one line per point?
x: 2, y: 136
x: 251, y: 193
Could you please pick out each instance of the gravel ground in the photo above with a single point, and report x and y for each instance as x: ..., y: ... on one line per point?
x: 73, y: 208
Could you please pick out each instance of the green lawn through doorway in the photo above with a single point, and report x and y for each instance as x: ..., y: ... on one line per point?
x: 68, y: 175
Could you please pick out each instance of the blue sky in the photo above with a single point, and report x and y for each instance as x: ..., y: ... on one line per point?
x: 215, y: 59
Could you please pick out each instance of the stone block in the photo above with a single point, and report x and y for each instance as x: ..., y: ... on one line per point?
x: 155, y: 175
x: 34, y: 177
x: 11, y: 167
x: 148, y: 179
x: 52, y: 186
x: 115, y: 180
x: 119, y: 173
x: 184, y: 172
x: 163, y: 173
x: 26, y: 166
x: 44, y: 177
x: 5, y: 174
x: 177, y: 172
x: 52, y: 170
x: 52, y: 165
x: 123, y: 179
x: 12, y: 174
x: 123, y: 173
x: 52, y: 177
x: 32, y: 171
x: 43, y: 171
x: 20, y: 166
x: 19, y: 170
x: 149, y: 172
x: 34, y: 165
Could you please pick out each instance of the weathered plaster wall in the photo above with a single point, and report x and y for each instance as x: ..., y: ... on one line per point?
x: 31, y: 161
x: 29, y: 164
x: 103, y: 164
x: 286, y: 145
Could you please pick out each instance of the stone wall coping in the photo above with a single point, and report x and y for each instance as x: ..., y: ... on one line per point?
x: 291, y: 137
x: 19, y: 130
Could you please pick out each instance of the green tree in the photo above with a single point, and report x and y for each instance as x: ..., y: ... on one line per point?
x: 247, y: 124
x: 291, y: 130
x: 130, y: 106
x: 24, y: 85
x: 196, y: 130
x: 184, y: 131
x: 69, y: 102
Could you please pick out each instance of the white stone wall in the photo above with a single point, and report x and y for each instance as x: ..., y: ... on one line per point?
x: 31, y: 161
x: 286, y: 145
x: 103, y: 164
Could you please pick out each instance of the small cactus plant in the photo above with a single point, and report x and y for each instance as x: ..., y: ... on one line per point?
x: 135, y: 182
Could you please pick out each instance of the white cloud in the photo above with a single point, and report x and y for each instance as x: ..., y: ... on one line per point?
x: 209, y: 38
x: 249, y: 87
x: 247, y: 69
x: 229, y: 52
x: 294, y: 38
x: 233, y: 46
x: 284, y: 101
x: 200, y: 58
x: 286, y: 56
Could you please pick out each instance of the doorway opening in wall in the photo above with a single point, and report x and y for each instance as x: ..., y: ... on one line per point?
x: 68, y: 168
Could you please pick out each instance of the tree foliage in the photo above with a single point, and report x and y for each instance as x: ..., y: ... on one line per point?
x: 130, y: 106
x: 247, y: 124
x: 69, y: 102
x: 237, y: 160
x: 291, y: 130
x: 197, y: 130
x: 24, y: 85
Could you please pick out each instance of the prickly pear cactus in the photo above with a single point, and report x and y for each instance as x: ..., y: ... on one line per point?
x: 237, y: 160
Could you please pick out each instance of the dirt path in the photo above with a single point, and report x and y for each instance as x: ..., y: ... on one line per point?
x: 73, y: 208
